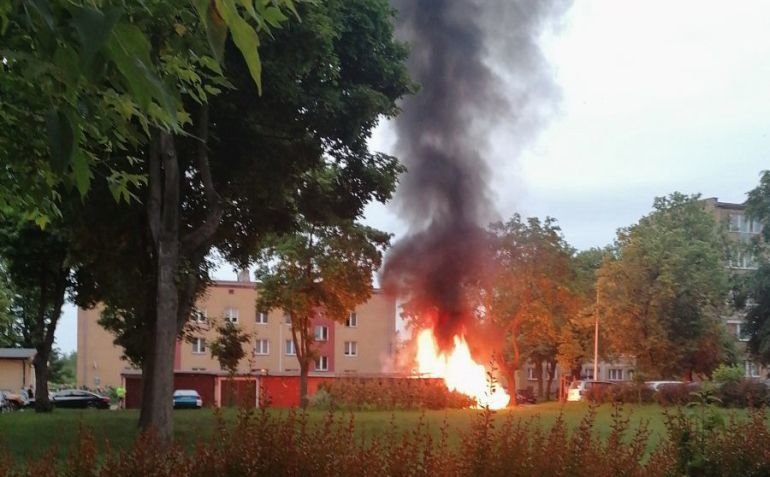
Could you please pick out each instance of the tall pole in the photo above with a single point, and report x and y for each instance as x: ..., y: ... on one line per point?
x: 596, y: 344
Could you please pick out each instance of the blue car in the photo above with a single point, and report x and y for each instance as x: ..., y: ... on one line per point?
x: 187, y: 399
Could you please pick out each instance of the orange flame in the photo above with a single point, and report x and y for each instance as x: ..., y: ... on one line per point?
x: 458, y: 369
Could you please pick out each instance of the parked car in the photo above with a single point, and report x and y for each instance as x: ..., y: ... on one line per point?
x: 655, y: 385
x: 525, y: 396
x: 75, y: 398
x: 3, y: 403
x: 14, y: 401
x: 582, y: 390
x: 187, y: 399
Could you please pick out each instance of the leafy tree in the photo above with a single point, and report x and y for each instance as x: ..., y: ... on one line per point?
x: 663, y: 294
x: 227, y: 348
x: 254, y: 164
x: 37, y: 265
x: 318, y: 271
x: 757, y: 283
x: 531, y: 300
x: 576, y: 343
x: 62, y: 367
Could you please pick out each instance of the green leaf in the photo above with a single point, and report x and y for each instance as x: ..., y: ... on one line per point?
x: 245, y: 38
x: 130, y: 50
x: 61, y: 139
x: 81, y: 172
x: 274, y: 17
x: 94, y: 28
x: 216, y: 29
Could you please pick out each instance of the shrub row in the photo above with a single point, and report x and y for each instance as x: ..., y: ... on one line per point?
x: 744, y: 393
x: 260, y: 443
x: 389, y: 394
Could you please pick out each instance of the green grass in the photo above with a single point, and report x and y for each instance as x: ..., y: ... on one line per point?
x: 28, y: 435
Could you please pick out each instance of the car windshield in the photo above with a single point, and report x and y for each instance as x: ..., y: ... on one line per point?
x: 185, y: 393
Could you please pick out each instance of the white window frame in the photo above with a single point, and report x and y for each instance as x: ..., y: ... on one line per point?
x: 262, y: 318
x: 751, y: 369
x: 321, y: 333
x: 286, y: 318
x: 351, y: 349
x: 352, y: 321
x: 199, y: 346
x: 289, y: 348
x: 615, y: 374
x: 531, y: 376
x: 232, y: 315
x: 738, y: 326
x: 262, y: 347
x: 323, y: 359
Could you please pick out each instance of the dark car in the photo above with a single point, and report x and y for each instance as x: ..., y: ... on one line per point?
x: 187, y: 399
x: 75, y: 398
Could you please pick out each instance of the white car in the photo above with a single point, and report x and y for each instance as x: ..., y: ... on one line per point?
x: 655, y: 385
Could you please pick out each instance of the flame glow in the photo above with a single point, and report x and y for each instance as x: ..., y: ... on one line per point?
x: 458, y: 369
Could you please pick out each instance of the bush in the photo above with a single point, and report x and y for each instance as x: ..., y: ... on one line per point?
x: 632, y: 393
x: 743, y: 393
x: 727, y: 374
x: 391, y: 393
x: 677, y: 394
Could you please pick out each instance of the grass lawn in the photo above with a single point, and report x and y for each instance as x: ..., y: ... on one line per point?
x: 28, y: 435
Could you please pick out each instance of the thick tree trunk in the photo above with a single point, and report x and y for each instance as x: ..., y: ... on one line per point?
x: 165, y: 224
x: 40, y: 363
x: 147, y: 394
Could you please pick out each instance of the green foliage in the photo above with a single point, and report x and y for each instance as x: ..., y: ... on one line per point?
x: 387, y: 393
x: 663, y: 294
x: 62, y: 367
x: 227, y: 348
x: 727, y: 374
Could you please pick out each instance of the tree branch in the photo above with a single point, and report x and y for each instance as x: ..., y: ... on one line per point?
x: 200, y: 236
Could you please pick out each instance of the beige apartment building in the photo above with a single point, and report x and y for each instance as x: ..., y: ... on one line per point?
x: 741, y: 230
x: 360, y: 346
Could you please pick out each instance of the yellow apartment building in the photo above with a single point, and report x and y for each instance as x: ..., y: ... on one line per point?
x: 360, y: 346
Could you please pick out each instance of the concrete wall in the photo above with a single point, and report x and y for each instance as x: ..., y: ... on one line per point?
x: 98, y: 363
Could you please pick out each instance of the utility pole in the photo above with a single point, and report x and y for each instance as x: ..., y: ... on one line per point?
x: 596, y: 335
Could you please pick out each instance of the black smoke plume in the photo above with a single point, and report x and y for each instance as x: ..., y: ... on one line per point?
x: 479, y: 66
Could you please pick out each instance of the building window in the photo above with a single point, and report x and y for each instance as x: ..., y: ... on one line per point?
x: 352, y: 320
x: 615, y: 374
x: 290, y: 349
x: 287, y: 318
x: 199, y: 317
x: 231, y: 315
x: 742, y: 332
x: 321, y: 333
x: 198, y: 345
x: 262, y: 347
x: 588, y: 373
x: 531, y: 375
x: 261, y: 317
x: 734, y: 223
x: 351, y: 348
x: 752, y: 369
x: 322, y: 363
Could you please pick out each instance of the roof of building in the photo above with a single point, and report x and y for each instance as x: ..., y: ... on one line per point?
x: 17, y: 353
x: 726, y: 205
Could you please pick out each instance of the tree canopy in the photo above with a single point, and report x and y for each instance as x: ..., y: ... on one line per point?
x: 663, y: 293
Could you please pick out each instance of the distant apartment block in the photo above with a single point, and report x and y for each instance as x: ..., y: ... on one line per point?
x: 359, y: 346
x: 742, y: 231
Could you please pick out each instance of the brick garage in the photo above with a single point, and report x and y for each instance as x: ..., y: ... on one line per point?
x: 214, y: 388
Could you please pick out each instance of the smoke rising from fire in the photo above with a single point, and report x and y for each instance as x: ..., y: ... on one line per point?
x: 479, y: 67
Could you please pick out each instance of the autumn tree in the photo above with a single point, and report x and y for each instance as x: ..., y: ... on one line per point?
x: 663, y: 294
x: 531, y: 297
x: 228, y: 350
x: 318, y: 271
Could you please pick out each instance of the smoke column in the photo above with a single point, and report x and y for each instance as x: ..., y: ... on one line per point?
x: 478, y: 65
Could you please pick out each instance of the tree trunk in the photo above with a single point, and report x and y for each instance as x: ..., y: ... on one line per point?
x: 539, y: 374
x: 165, y: 224
x: 40, y: 362
x: 550, y: 369
x: 147, y: 398
x: 304, y: 367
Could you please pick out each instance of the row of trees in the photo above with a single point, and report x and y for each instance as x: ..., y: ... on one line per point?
x: 658, y: 292
x: 142, y: 138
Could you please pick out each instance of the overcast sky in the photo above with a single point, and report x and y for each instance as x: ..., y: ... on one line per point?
x: 657, y: 96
